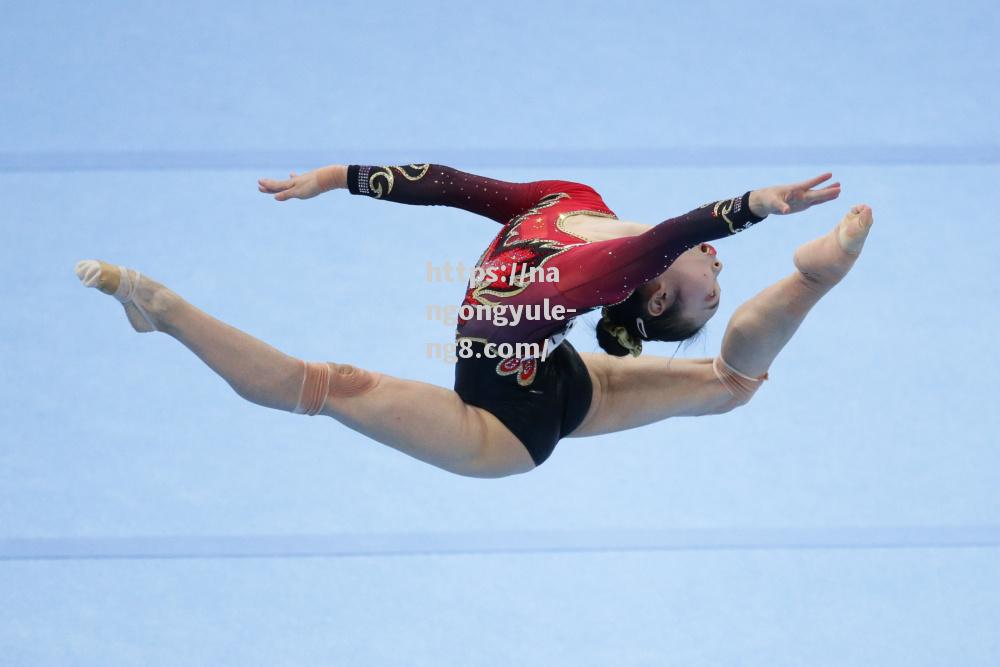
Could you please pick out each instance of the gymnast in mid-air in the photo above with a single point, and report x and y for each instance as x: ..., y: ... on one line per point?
x: 560, y: 252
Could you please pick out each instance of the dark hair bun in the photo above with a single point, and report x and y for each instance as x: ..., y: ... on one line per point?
x: 609, y: 343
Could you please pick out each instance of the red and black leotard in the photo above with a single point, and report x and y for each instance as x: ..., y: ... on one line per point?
x: 533, y: 237
x: 541, y: 400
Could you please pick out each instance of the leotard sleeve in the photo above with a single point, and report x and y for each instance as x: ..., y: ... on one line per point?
x: 606, y: 272
x: 438, y: 185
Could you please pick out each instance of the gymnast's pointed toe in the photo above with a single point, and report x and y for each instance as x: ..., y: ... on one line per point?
x: 854, y: 228
x: 136, y: 293
x: 88, y: 271
x: 98, y: 274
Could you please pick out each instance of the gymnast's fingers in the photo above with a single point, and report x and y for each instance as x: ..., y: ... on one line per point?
x: 270, y: 185
x: 826, y: 194
x: 287, y: 194
x: 813, y: 182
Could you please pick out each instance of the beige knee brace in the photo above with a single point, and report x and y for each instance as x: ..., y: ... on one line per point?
x: 742, y: 387
x: 323, y: 379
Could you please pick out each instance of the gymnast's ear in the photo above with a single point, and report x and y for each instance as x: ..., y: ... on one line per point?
x: 659, y: 300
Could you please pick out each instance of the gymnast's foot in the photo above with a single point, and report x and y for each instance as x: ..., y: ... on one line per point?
x: 144, y: 299
x: 827, y: 260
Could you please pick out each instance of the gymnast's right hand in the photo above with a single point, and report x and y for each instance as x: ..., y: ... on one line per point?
x: 305, y: 186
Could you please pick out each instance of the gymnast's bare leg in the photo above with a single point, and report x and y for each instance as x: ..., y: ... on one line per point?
x: 427, y: 422
x: 631, y: 392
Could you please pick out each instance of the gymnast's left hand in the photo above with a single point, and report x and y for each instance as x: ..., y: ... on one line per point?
x: 301, y: 186
x: 785, y: 199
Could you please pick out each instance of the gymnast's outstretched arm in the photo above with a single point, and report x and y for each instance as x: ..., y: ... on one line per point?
x: 606, y: 272
x: 426, y: 185
x: 631, y: 392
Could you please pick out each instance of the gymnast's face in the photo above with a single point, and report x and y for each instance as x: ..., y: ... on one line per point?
x: 693, y: 279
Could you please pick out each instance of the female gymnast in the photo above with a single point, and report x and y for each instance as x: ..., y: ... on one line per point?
x: 506, y: 415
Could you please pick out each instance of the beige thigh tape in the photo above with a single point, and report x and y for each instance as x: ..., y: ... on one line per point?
x: 322, y: 379
x: 740, y: 386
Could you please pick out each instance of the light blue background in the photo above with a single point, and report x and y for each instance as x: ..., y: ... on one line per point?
x: 134, y: 132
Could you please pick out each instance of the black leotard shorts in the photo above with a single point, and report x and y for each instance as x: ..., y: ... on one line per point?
x: 540, y: 408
